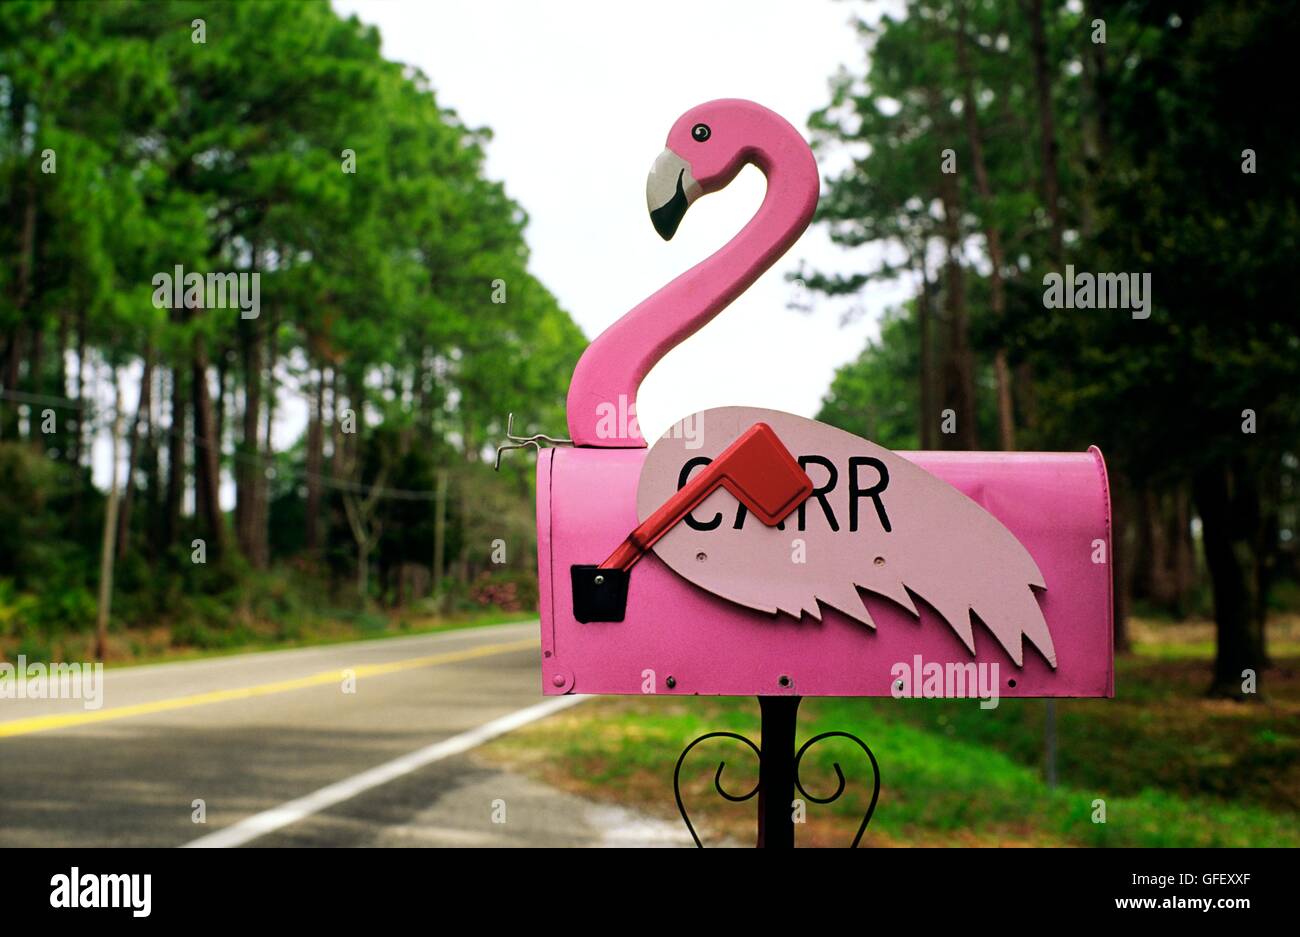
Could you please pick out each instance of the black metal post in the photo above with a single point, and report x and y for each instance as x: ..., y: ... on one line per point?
x: 778, y: 715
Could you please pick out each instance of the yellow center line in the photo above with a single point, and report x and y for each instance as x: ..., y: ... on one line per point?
x: 65, y: 720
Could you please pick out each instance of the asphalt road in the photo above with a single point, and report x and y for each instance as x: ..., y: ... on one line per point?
x: 282, y: 749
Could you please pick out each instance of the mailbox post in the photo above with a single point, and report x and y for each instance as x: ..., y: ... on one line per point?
x: 776, y: 771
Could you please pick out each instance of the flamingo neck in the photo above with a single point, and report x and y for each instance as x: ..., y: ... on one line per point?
x: 602, y: 394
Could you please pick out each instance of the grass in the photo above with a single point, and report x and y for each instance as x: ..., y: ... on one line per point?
x: 135, y: 647
x: 1172, y: 767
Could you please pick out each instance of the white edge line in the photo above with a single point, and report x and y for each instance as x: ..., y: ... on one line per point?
x: 259, y: 824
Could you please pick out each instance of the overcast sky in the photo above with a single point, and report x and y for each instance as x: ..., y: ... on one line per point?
x: 580, y: 97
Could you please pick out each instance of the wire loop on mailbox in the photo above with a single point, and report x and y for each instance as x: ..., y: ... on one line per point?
x: 521, y: 442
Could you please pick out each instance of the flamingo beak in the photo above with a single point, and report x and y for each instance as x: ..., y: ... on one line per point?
x: 669, y: 191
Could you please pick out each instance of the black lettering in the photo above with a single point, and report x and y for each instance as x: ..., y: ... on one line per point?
x: 856, y: 492
x: 682, y: 479
x: 820, y: 493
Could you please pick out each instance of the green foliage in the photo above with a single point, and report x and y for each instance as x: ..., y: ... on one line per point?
x: 376, y: 295
x: 876, y: 396
x: 48, y: 509
x: 1128, y: 156
x: 1219, y: 244
x: 1150, y: 165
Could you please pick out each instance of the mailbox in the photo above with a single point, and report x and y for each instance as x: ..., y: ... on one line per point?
x: 770, y: 555
x: 678, y: 637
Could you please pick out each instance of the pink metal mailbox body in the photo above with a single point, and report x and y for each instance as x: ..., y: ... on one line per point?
x: 1054, y: 503
x: 677, y: 637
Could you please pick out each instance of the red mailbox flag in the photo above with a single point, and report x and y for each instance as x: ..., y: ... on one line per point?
x: 757, y: 468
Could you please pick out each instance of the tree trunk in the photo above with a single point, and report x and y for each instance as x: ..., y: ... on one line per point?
x: 315, y: 463
x: 149, y: 468
x: 9, y: 383
x: 133, y: 453
x: 992, y: 237
x: 83, y: 411
x: 110, y: 529
x: 25, y: 194
x: 1095, y: 138
x: 223, y: 396
x: 1164, y: 543
x: 176, y: 473
x: 27, y: 332
x: 926, y: 377
x: 365, y: 530
x: 462, y: 563
x: 36, y: 381
x: 1121, y: 559
x: 1228, y: 503
x: 266, y: 463
x: 9, y: 370
x: 1046, y: 124
x: 61, y: 375
x: 1148, y: 544
x: 439, y: 532
x: 248, y: 464
x: 359, y: 509
x: 1184, y: 549
x: 23, y: 291
x: 1026, y: 395
x: 335, y: 417
x: 207, y: 452
x: 959, y: 365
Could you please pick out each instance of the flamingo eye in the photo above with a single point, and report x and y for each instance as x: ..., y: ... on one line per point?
x: 701, y: 132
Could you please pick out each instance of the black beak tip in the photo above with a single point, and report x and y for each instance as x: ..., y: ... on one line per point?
x: 666, y: 220
x: 668, y: 216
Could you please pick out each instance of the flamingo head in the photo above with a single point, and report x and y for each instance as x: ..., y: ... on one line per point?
x: 707, y: 146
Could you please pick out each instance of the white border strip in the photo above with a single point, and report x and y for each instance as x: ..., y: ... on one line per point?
x: 259, y: 824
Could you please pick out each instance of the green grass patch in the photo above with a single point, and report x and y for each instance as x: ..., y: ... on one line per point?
x: 135, y: 648
x: 1171, y: 767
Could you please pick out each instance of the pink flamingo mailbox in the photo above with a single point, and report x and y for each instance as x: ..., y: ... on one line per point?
x: 862, y: 572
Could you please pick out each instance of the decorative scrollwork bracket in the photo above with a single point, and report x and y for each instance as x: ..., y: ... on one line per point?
x: 777, y: 812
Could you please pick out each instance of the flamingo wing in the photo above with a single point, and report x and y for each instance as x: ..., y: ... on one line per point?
x: 878, y: 522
